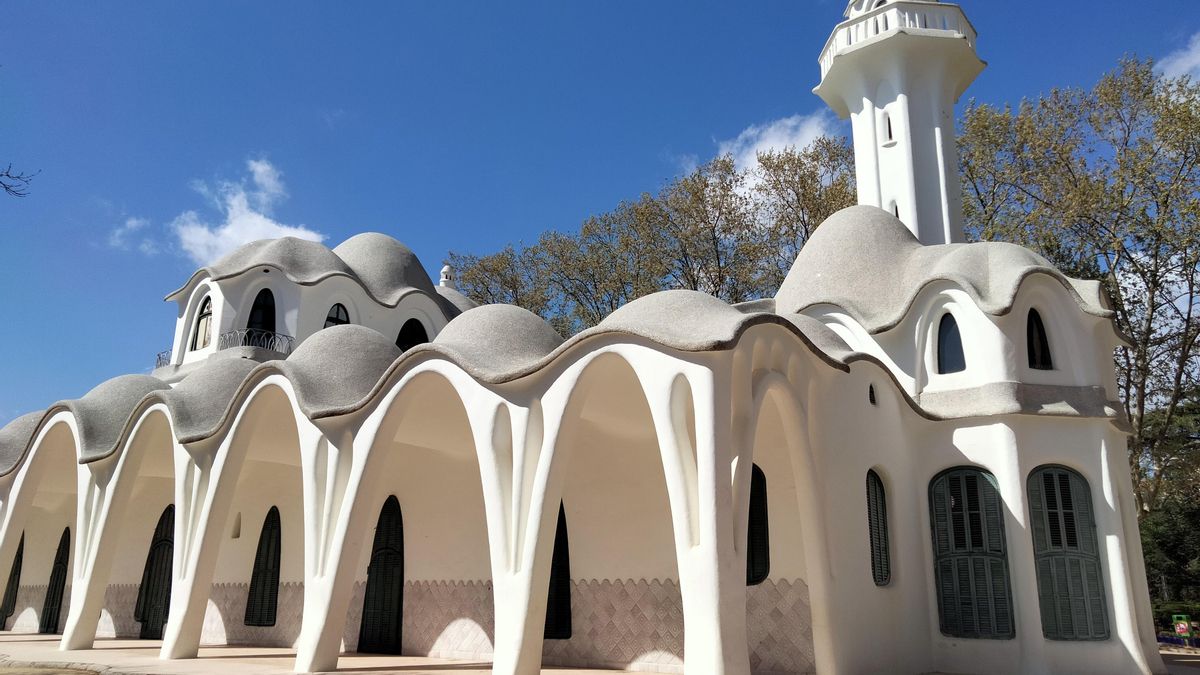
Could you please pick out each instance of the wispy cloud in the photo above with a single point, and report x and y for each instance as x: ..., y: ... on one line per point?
x: 797, y: 131
x: 132, y: 234
x: 245, y: 208
x: 1182, y: 61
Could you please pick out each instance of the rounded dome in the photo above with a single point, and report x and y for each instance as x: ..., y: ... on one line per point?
x: 102, y: 412
x: 299, y: 259
x: 199, y: 402
x: 14, y: 439
x: 499, y: 338
x: 336, y: 368
x: 385, y: 266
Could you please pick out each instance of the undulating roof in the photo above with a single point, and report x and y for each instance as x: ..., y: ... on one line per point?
x: 333, y: 371
x: 385, y: 268
x: 14, y: 439
x: 101, y: 414
x: 864, y: 260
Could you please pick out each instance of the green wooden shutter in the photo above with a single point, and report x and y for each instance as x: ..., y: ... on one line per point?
x: 758, y: 540
x: 1070, y: 583
x: 14, y: 584
x: 970, y: 558
x: 877, y: 525
x: 262, y: 601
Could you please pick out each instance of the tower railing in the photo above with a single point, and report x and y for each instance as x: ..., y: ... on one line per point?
x: 893, y: 16
x: 256, y: 337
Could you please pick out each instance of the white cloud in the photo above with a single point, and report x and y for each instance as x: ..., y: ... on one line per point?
x: 124, y: 235
x: 1182, y: 61
x: 797, y: 131
x: 246, y: 212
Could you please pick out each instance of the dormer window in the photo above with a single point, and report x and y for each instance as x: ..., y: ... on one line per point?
x: 412, y: 333
x: 1037, y: 343
x: 338, y: 316
x: 202, y: 335
x: 950, y: 357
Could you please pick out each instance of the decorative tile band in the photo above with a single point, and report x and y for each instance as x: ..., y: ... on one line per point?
x: 27, y: 612
x: 443, y: 619
x: 779, y: 627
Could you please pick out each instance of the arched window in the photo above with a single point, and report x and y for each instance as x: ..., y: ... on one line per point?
x: 202, y: 335
x: 52, y: 607
x: 877, y: 526
x: 558, y: 598
x: 950, y: 357
x: 1037, y: 343
x: 758, y: 540
x: 379, y: 631
x: 879, y: 4
x: 263, y: 599
x: 154, y: 593
x: 337, y: 316
x: 412, y: 333
x: 262, y: 312
x: 14, y: 584
x: 1070, y: 586
x: 970, y: 555
x: 888, y: 135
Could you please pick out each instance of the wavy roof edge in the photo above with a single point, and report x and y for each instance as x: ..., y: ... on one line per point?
x: 368, y: 259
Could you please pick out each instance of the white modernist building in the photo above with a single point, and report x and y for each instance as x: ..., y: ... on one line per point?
x: 910, y: 460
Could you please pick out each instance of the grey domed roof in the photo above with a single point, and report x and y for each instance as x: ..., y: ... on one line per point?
x: 201, y: 402
x: 103, y: 412
x: 457, y: 301
x: 494, y: 341
x: 14, y: 440
x: 333, y: 371
x: 387, y: 268
x: 867, y: 262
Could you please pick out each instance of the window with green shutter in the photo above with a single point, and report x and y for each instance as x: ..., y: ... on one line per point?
x: 877, y: 524
x: 970, y: 557
x: 1070, y: 585
x: 758, y: 535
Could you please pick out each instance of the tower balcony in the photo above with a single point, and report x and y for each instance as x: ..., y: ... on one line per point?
x: 917, y: 17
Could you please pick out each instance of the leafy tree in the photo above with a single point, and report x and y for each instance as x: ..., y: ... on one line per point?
x: 1106, y: 184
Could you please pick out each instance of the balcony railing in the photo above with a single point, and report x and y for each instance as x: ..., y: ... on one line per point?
x: 163, y: 359
x: 926, y: 15
x: 254, y: 337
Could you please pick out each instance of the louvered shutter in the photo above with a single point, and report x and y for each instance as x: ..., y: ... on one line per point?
x: 758, y: 541
x: 1070, y: 582
x: 14, y: 584
x: 52, y: 606
x: 262, y: 601
x: 877, y: 525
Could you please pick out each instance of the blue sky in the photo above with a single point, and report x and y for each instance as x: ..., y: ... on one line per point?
x: 165, y: 130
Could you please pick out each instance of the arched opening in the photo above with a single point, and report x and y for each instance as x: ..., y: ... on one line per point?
x: 778, y: 616
x: 202, y: 333
x: 154, y: 593
x: 337, y: 316
x: 950, y: 358
x: 1070, y: 584
x: 14, y: 583
x: 412, y: 333
x: 758, y: 540
x: 626, y: 603
x: 263, y: 599
x: 261, y: 482
x: 262, y: 314
x: 1037, y: 342
x: 52, y: 608
x: 558, y: 598
x: 383, y: 599
x: 974, y: 593
x: 423, y: 582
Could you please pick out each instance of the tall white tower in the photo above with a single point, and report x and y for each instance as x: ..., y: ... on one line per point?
x: 896, y: 68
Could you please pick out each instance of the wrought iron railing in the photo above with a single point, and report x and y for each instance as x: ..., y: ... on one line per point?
x: 163, y: 359
x: 893, y: 15
x: 255, y: 337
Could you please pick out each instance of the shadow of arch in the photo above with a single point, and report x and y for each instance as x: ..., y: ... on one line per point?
x: 424, y: 455
x: 626, y: 605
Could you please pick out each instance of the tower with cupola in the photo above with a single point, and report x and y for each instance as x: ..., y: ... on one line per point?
x: 896, y: 69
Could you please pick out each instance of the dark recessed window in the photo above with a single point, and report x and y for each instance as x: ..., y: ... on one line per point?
x: 558, y: 598
x: 262, y: 312
x: 14, y: 584
x: 1067, y: 558
x: 412, y: 333
x: 877, y: 524
x: 871, y: 394
x: 337, y: 316
x: 970, y: 564
x: 950, y: 357
x: 202, y: 335
x: 263, y: 599
x: 758, y: 540
x: 1037, y: 342
x: 52, y: 607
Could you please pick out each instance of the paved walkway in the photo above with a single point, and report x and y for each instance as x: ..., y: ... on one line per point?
x: 139, y: 657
